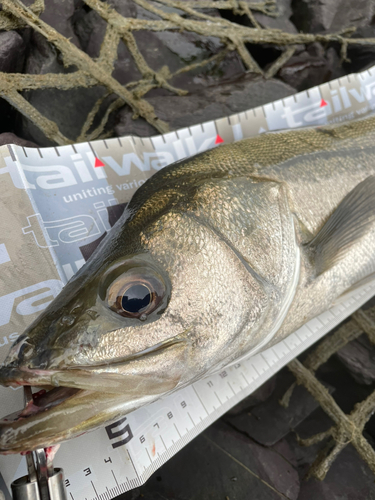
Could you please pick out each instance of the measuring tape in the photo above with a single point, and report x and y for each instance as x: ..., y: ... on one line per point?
x: 65, y: 200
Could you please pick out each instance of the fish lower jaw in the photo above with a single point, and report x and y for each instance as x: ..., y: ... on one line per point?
x: 60, y: 414
x: 77, y: 378
x: 24, y: 376
x: 14, y: 439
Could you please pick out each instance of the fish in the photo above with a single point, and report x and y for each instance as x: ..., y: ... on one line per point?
x: 216, y: 257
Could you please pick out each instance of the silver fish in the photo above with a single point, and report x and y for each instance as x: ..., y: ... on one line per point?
x: 217, y: 256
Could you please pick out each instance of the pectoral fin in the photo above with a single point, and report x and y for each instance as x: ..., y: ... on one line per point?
x: 350, y: 221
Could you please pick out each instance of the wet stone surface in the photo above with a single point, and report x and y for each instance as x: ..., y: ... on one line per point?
x: 208, y: 104
x: 282, y: 21
x: 333, y: 15
x: 222, y: 463
x: 359, y: 358
x: 348, y: 479
x: 311, y: 67
x: 258, y: 396
x: 69, y: 108
x: 9, y: 138
x: 268, y: 422
x: 12, y: 52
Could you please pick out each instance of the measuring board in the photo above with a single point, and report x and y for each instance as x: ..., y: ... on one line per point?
x: 57, y: 204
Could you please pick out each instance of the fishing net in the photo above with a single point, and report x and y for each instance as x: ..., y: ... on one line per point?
x: 346, y: 429
x: 195, y: 17
x: 165, y: 16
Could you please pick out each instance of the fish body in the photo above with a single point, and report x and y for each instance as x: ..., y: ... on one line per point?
x: 216, y: 257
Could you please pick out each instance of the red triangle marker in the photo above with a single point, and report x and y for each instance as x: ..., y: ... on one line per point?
x: 323, y: 103
x: 98, y: 163
x: 218, y: 140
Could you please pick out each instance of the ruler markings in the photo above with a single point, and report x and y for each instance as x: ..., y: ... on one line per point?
x: 114, y: 477
x: 194, y: 389
x: 162, y: 440
x: 10, y: 149
x: 245, y: 378
x: 192, y: 421
x: 148, y: 456
x: 218, y: 398
x: 177, y: 429
x: 96, y: 493
x: 131, y: 459
x: 92, y: 149
x: 231, y: 387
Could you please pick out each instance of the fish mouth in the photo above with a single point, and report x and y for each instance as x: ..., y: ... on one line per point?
x: 58, y: 415
x: 87, y: 396
x: 94, y: 376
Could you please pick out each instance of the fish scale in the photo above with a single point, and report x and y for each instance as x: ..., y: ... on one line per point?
x: 217, y: 388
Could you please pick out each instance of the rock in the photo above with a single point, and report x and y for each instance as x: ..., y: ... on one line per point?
x: 334, y: 63
x: 347, y: 391
x: 68, y: 108
x: 43, y: 57
x: 209, y: 104
x: 283, y: 448
x: 358, y: 357
x: 90, y: 28
x: 282, y: 21
x: 219, y: 464
x: 178, y: 49
x: 267, y: 464
x: 58, y: 14
x: 258, y: 396
x: 303, y: 456
x: 349, y: 478
x: 173, y: 50
x: 12, y: 52
x: 181, y: 49
x: 362, y: 56
x: 12, y: 58
x: 311, y: 67
x: 269, y: 422
x: 10, y: 138
x: 313, y: 16
x: 279, y: 22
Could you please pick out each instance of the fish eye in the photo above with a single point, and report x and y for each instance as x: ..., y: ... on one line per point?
x: 134, y: 295
x: 136, y: 298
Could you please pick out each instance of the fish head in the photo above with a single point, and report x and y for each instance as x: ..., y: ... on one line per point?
x: 164, y: 299
x: 145, y: 322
